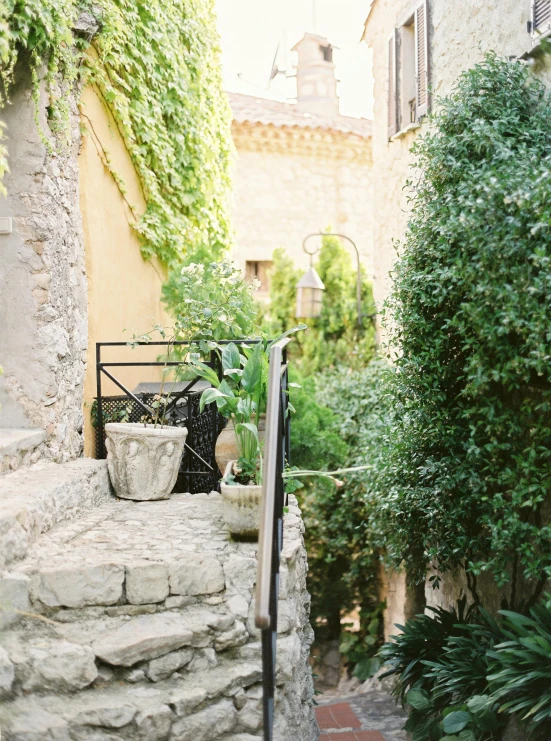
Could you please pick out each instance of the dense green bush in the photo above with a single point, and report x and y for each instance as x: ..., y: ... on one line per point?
x: 520, y: 672
x: 467, y: 470
x: 334, y: 338
x: 338, y: 420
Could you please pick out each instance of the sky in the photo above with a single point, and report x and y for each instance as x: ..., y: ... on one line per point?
x: 252, y: 30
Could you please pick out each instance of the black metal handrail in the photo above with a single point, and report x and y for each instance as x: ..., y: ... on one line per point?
x: 270, y: 542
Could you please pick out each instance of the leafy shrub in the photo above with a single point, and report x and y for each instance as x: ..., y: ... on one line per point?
x: 211, y: 302
x: 521, y: 669
x: 152, y: 82
x: 467, y: 471
x: 464, y: 673
x: 422, y: 640
x: 336, y: 422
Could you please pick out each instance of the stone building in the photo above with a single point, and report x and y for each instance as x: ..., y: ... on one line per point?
x: 419, y: 49
x: 300, y: 167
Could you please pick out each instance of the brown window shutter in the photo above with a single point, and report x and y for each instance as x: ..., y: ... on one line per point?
x: 392, y: 86
x: 422, y: 58
x: 541, y: 16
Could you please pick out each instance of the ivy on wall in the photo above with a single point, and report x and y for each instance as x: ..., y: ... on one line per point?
x: 157, y: 66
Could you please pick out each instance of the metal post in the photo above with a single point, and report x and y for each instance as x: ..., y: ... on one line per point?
x: 100, y: 444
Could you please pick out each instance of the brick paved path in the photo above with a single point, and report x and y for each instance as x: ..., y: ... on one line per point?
x: 368, y: 716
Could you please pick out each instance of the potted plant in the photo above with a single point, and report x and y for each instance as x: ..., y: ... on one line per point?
x: 209, y: 302
x: 240, y: 397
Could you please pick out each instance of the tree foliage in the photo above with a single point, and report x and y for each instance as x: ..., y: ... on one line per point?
x: 338, y: 421
x: 334, y: 338
x: 467, y: 473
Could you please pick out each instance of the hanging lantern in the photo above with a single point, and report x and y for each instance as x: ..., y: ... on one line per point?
x: 309, y: 295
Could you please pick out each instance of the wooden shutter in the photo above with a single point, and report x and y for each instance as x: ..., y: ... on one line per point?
x: 422, y: 58
x: 541, y: 16
x: 392, y: 85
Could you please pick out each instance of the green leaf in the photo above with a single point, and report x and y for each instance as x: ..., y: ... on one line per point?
x: 210, y: 395
x: 418, y: 699
x: 252, y: 372
x: 206, y: 372
x: 230, y: 357
x: 456, y: 721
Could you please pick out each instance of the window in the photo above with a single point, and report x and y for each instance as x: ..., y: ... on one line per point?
x: 541, y: 18
x: 408, y: 89
x: 259, y: 269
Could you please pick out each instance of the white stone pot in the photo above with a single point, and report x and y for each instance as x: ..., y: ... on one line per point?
x: 143, y: 460
x: 241, y: 507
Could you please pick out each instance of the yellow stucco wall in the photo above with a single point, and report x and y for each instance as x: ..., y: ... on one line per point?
x: 124, y: 290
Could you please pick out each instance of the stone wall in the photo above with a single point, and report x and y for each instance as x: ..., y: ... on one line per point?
x: 139, y: 625
x: 303, y: 181
x: 43, y: 314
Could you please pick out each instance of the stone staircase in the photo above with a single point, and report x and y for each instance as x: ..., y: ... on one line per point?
x: 134, y: 620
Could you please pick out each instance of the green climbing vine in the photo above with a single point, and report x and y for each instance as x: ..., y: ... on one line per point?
x: 157, y: 67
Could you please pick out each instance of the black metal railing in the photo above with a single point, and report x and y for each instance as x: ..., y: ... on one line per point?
x: 270, y: 543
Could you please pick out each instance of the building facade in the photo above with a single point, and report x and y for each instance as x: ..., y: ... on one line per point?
x: 300, y: 168
x: 419, y: 49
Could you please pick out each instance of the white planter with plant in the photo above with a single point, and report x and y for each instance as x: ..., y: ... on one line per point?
x: 240, y: 397
x: 144, y: 460
x: 240, y: 504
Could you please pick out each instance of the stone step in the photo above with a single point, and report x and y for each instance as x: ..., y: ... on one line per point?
x: 139, y: 624
x: 35, y: 499
x: 223, y: 702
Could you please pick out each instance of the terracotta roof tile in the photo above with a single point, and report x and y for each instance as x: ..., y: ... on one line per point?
x: 248, y: 109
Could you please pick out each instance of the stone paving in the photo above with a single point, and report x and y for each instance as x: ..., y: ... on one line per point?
x: 368, y: 715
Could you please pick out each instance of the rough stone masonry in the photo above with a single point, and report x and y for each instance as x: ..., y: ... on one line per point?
x: 136, y: 622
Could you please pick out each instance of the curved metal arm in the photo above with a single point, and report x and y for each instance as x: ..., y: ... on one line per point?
x: 358, y: 272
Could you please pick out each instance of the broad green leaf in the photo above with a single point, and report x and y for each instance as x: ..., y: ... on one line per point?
x: 210, y: 395
x: 252, y: 372
x: 206, y: 372
x: 230, y: 357
x: 456, y: 721
x: 418, y: 699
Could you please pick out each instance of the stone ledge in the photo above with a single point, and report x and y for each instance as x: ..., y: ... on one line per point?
x: 33, y: 500
x: 14, y: 440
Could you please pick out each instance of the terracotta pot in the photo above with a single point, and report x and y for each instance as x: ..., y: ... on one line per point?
x: 143, y: 460
x: 226, y: 444
x: 241, y: 507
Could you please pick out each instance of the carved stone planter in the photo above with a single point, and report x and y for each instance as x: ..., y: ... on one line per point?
x: 241, y: 507
x: 143, y: 460
x: 226, y: 444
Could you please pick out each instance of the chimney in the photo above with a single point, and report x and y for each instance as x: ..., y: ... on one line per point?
x: 316, y: 81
